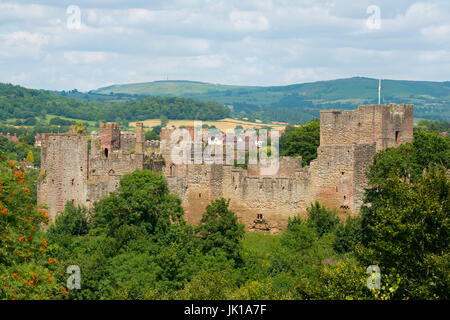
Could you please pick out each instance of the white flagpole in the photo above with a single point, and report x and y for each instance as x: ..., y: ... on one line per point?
x: 379, y: 91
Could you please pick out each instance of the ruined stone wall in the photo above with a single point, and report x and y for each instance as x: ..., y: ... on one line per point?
x: 127, y: 141
x: 387, y: 125
x: 288, y: 167
x: 362, y: 159
x: 275, y: 198
x: 64, y: 163
x: 109, y: 135
x: 337, y: 178
x: 105, y: 170
x: 332, y: 176
x: 339, y: 175
x: 72, y: 173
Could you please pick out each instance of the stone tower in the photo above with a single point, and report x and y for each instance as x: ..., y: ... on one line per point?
x: 349, y: 140
x: 139, y: 138
x: 64, y: 162
x: 109, y: 137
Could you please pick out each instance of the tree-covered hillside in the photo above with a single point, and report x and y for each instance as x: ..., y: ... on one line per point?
x: 21, y: 103
x: 431, y: 99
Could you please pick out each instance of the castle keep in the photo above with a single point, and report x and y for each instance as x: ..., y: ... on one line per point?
x: 83, y: 169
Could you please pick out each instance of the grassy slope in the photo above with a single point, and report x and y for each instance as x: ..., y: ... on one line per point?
x: 430, y: 98
x: 341, y: 89
x: 165, y: 88
x: 222, y: 125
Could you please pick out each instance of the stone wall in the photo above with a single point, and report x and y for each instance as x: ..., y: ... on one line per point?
x: 64, y: 162
x: 71, y: 172
x: 387, y: 125
x: 337, y: 178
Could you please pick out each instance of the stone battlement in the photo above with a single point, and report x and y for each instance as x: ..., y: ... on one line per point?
x: 349, y: 140
x: 387, y: 125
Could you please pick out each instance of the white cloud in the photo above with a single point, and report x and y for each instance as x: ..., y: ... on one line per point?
x: 84, y: 57
x: 249, y: 21
x: 22, y: 45
x: 439, y: 33
x: 296, y: 75
x: 440, y: 56
x: 254, y: 42
x: 207, y: 61
x: 14, y: 11
x: 24, y: 39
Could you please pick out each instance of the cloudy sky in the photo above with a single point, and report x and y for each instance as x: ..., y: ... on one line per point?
x: 245, y: 42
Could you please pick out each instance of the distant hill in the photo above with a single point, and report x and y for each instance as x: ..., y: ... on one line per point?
x: 19, y: 103
x: 282, y: 103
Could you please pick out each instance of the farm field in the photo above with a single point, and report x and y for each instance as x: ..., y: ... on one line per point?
x: 222, y: 125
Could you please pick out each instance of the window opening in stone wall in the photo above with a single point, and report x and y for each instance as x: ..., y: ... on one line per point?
x: 106, y: 152
x: 199, y: 195
x: 72, y: 182
x: 397, y: 137
x: 259, y: 216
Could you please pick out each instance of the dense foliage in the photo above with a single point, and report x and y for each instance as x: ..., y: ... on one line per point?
x: 20, y: 103
x: 301, y: 141
x: 434, y: 126
x: 406, y: 217
x: 135, y: 243
x: 22, y: 150
x: 26, y: 272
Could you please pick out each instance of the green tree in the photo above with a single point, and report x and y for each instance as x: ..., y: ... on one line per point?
x: 30, y: 157
x: 143, y: 199
x: 151, y: 135
x: 219, y: 229
x: 322, y: 219
x: 348, y: 234
x: 299, y: 235
x: 25, y: 271
x: 408, y: 160
x: 301, y: 141
x: 164, y: 121
x: 73, y: 222
x: 409, y: 234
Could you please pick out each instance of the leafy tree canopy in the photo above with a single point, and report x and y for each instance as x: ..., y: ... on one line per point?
x: 301, y: 141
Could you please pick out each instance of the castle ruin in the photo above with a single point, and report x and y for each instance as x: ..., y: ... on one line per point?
x: 82, y: 169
